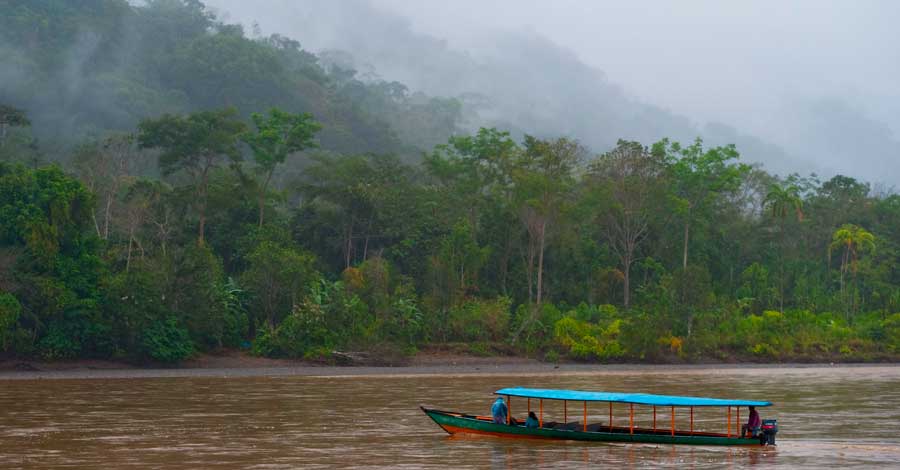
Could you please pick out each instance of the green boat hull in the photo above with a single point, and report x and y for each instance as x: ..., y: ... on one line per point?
x: 456, y: 423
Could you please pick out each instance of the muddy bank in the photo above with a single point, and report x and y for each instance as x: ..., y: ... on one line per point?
x: 238, y: 364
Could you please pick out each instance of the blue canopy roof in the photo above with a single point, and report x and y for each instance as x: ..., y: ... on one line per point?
x: 636, y: 398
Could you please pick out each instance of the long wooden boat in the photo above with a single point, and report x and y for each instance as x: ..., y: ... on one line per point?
x: 582, y: 430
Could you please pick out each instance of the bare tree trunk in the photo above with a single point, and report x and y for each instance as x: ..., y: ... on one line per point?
x: 843, y: 269
x: 106, y: 212
x: 626, y: 280
x: 96, y: 224
x: 366, y: 244
x: 262, y: 197
x: 349, y: 245
x: 530, y: 270
x: 202, y: 192
x: 540, y: 273
x: 262, y: 206
x: 201, y: 240
x: 687, y: 225
x: 128, y: 259
x: 504, y: 262
x: 781, y: 278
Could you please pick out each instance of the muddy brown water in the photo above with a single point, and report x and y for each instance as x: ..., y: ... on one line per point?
x: 830, y: 417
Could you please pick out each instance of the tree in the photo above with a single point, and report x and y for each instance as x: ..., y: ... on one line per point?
x: 854, y: 240
x: 58, y: 273
x: 699, y: 178
x: 11, y: 117
x: 277, y: 136
x: 475, y: 181
x: 104, y: 167
x: 630, y: 178
x: 9, y: 317
x: 352, y: 195
x: 782, y: 200
x: 543, y: 180
x: 457, y: 264
x: 277, y: 278
x: 194, y: 144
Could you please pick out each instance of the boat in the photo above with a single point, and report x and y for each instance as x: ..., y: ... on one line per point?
x: 609, y: 431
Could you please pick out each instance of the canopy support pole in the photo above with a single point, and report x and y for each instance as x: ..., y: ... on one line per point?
x: 529, y: 405
x: 673, y: 421
x: 584, y: 428
x: 565, y: 411
x: 728, y: 433
x: 508, y: 409
x: 610, y: 416
x: 541, y: 415
x: 631, y: 419
x: 737, y: 421
x: 692, y: 420
x: 654, y: 418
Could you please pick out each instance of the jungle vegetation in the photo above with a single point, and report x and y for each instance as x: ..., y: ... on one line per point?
x: 171, y: 185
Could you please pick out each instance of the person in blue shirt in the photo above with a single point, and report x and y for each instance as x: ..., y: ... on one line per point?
x: 532, y: 421
x: 499, y: 411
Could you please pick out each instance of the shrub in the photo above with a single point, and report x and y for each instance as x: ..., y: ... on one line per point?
x: 9, y: 317
x: 891, y: 327
x: 166, y: 341
x: 583, y: 340
x: 480, y: 320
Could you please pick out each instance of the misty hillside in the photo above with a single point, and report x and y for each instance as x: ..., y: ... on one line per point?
x: 513, y: 77
x: 86, y: 68
x: 378, y: 83
x: 515, y: 80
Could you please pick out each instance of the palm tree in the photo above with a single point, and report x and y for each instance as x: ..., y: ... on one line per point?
x: 783, y: 200
x: 854, y: 240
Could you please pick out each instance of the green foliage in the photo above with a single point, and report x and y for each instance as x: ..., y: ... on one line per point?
x: 276, y: 279
x: 277, y: 136
x: 479, y: 320
x: 667, y: 252
x: 166, y: 341
x: 891, y: 326
x: 583, y: 340
x: 204, y: 300
x: 10, y: 309
x: 310, y: 327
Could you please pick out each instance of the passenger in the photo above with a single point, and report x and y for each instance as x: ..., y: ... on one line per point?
x: 532, y: 421
x: 753, y: 424
x: 499, y: 411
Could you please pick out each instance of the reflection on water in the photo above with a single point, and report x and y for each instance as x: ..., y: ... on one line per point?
x: 837, y: 417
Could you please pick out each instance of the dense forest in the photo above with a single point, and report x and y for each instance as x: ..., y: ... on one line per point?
x: 171, y: 185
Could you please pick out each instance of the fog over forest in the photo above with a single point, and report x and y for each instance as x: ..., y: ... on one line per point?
x: 804, y: 87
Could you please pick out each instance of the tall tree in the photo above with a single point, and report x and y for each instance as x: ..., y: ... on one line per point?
x: 783, y: 200
x: 104, y: 167
x: 194, y: 144
x: 631, y: 179
x: 276, y: 136
x: 699, y: 178
x: 854, y: 240
x: 475, y: 176
x: 544, y: 180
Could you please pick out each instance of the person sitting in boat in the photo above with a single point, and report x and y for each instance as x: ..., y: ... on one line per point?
x: 532, y: 421
x: 499, y: 411
x: 753, y: 423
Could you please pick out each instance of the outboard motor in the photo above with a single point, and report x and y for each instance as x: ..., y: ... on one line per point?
x: 769, y: 430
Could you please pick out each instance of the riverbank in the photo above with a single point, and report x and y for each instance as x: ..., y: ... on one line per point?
x: 240, y: 364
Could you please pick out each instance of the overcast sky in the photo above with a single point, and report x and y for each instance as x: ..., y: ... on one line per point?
x: 767, y: 68
x: 712, y: 60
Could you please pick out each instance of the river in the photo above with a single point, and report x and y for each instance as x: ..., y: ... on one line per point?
x: 829, y: 417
